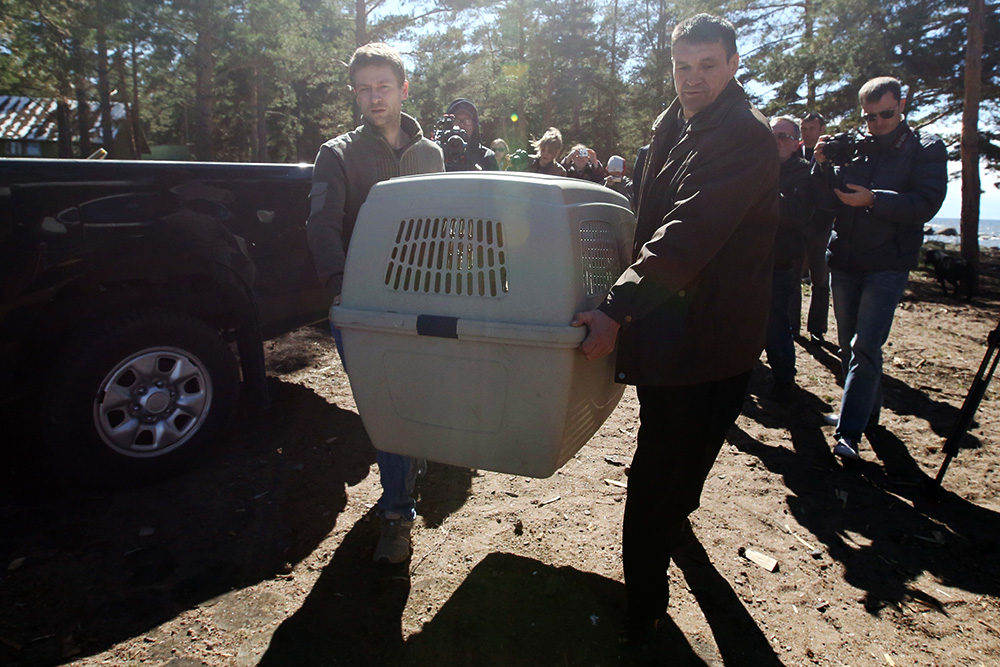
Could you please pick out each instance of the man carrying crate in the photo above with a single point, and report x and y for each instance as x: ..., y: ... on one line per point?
x: 690, y: 314
x: 388, y: 143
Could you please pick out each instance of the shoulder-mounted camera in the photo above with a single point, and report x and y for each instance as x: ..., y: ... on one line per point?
x: 452, y: 139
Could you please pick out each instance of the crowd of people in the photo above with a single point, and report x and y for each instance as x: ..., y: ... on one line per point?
x: 732, y: 210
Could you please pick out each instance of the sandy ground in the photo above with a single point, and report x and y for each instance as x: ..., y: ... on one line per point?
x: 261, y: 555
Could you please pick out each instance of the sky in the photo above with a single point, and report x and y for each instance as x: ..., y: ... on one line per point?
x: 989, y: 201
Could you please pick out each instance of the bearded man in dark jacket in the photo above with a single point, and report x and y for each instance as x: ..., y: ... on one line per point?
x: 882, y: 197
x: 690, y: 314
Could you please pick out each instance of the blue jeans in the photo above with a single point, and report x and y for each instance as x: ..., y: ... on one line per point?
x: 397, y: 473
x: 864, y: 305
x: 780, y: 334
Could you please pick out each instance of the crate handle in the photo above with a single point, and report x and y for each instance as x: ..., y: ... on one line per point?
x: 439, y: 326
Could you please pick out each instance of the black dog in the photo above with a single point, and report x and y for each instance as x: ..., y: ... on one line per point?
x: 954, y: 270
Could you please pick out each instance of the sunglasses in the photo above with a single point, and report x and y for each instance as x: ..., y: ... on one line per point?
x: 885, y: 113
x: 786, y: 137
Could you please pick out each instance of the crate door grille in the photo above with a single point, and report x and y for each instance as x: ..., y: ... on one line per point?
x: 454, y: 256
x: 599, y: 252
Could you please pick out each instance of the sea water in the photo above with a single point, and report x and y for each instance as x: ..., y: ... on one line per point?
x: 989, y: 231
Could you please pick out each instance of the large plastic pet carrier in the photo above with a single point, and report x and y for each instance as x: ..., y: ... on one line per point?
x: 458, y: 293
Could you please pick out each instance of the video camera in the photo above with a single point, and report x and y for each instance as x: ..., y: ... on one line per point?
x: 844, y: 148
x: 452, y: 139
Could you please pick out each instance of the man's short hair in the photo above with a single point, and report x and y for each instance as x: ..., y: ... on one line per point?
x: 876, y: 88
x: 706, y: 29
x: 814, y: 115
x: 377, y: 53
x: 788, y: 119
x: 552, y: 137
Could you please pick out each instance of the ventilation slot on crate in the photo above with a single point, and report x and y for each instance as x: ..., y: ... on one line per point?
x: 600, y: 257
x: 456, y: 256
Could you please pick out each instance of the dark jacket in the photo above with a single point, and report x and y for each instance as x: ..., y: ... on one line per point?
x: 797, y: 205
x: 622, y: 186
x: 552, y: 169
x: 476, y: 155
x: 595, y: 173
x: 908, y: 172
x: 694, y: 304
x: 346, y: 169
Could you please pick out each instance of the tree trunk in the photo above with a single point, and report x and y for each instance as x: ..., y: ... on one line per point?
x: 970, y: 132
x: 104, y: 87
x: 811, y: 46
x: 65, y: 129
x: 360, y: 22
x: 204, y: 95
x: 262, y: 154
x: 137, y: 136
x: 612, y: 140
x: 118, y: 67
x: 82, y: 104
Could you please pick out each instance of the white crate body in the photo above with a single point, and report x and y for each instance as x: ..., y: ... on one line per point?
x: 458, y: 293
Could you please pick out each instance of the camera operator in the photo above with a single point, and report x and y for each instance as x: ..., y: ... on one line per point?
x: 884, y: 189
x: 475, y: 156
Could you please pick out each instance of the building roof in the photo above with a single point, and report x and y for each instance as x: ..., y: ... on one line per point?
x: 34, y: 118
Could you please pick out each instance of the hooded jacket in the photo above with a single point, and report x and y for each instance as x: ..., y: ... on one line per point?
x: 693, y: 306
x: 346, y: 168
x: 475, y: 152
x: 908, y: 173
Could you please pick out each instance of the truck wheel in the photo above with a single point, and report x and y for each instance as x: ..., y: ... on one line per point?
x: 138, y: 397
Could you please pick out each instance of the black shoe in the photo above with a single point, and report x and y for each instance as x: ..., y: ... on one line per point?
x: 783, y: 391
x: 637, y: 641
x: 816, y: 338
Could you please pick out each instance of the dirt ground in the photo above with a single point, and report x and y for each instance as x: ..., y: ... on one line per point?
x: 262, y: 555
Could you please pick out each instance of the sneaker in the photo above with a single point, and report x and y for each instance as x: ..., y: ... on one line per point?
x: 394, y: 541
x: 816, y: 338
x: 831, y: 419
x: 846, y: 449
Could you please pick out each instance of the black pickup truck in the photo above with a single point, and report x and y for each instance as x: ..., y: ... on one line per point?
x: 135, y: 298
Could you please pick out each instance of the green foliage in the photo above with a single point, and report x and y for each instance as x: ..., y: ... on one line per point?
x: 266, y: 79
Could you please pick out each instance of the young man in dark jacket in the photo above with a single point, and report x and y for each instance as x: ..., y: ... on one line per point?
x: 388, y: 143
x: 690, y: 314
x: 882, y: 195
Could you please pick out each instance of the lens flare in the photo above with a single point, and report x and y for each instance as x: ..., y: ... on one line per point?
x: 513, y: 118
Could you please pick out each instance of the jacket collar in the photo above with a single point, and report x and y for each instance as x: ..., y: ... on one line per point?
x: 407, y: 123
x: 895, y: 139
x: 706, y: 118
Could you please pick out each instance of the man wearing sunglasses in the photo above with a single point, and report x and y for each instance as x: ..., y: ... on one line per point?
x: 882, y: 199
x: 796, y: 207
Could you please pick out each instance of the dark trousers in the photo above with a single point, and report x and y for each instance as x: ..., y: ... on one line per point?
x: 681, y: 430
